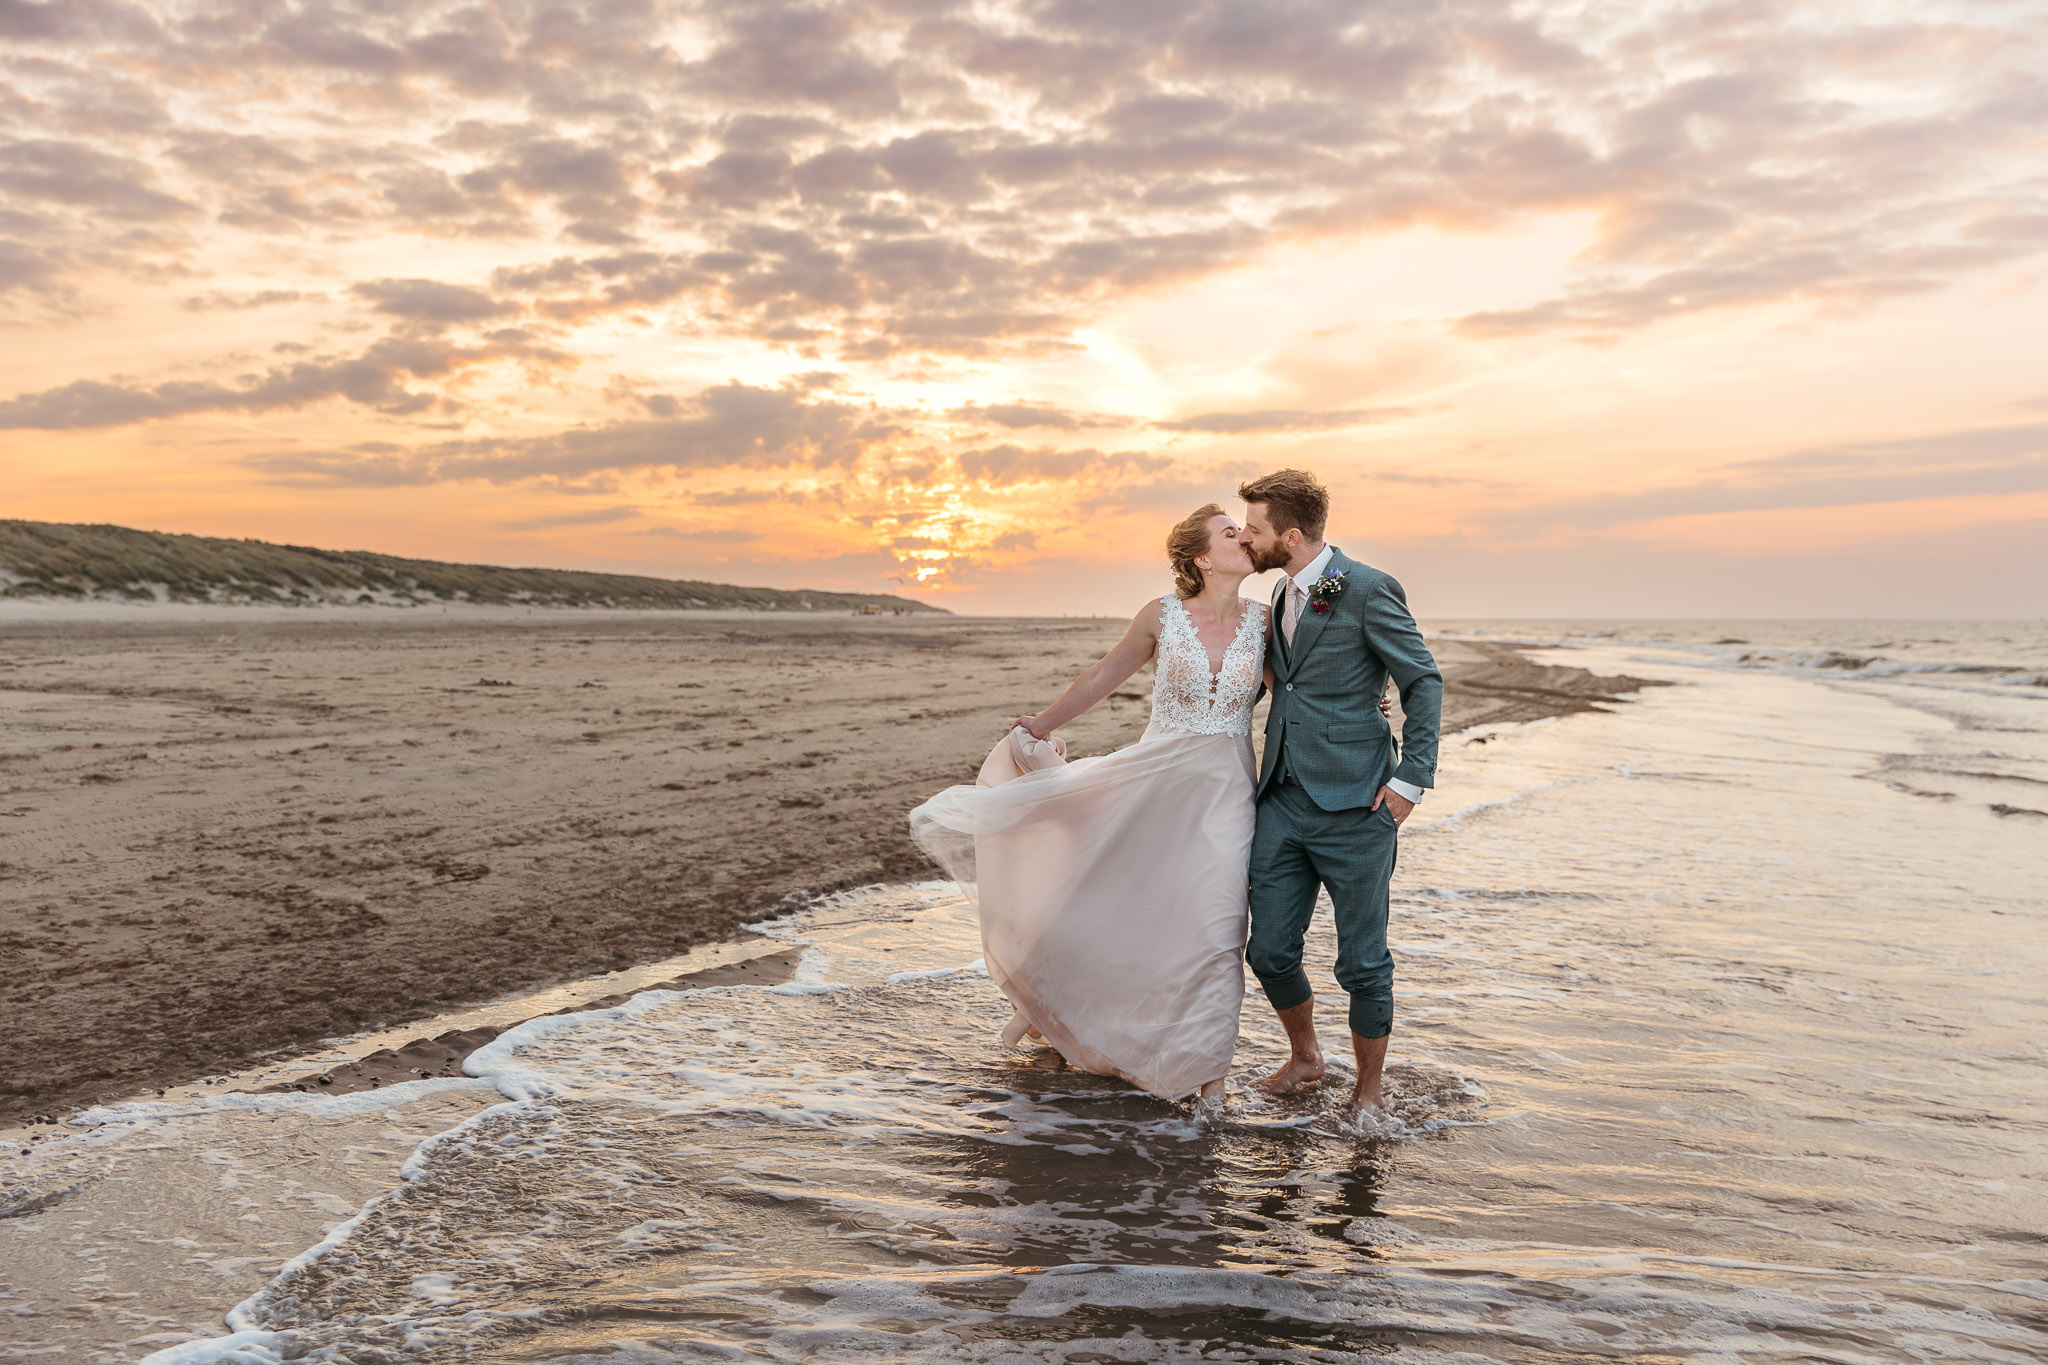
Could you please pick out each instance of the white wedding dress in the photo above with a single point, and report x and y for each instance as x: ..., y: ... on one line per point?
x: 1112, y: 889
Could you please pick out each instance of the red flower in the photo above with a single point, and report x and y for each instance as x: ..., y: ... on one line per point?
x: 1320, y: 608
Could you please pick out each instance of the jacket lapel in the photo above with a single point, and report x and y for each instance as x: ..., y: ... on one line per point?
x: 1310, y: 627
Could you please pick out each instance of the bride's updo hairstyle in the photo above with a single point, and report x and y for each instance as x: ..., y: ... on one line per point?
x: 1188, y: 542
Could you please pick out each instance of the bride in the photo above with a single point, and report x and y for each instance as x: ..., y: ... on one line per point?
x: 1112, y: 889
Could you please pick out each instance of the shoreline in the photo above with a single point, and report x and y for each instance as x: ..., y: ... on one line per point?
x: 230, y: 851
x: 430, y: 1049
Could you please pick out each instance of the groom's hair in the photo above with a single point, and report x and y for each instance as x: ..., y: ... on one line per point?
x: 1293, y: 500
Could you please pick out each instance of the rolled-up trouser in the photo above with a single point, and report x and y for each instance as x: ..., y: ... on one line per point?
x: 1296, y: 848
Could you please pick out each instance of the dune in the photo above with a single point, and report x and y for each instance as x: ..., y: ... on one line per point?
x: 45, y: 560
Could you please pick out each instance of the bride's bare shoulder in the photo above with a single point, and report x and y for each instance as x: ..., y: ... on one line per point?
x: 1151, y: 616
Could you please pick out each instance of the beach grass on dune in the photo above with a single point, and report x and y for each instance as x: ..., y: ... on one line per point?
x: 60, y: 560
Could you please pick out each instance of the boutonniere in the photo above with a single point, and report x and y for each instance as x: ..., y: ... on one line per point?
x: 1324, y: 591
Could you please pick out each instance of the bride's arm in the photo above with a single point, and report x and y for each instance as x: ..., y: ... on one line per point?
x: 1102, y: 677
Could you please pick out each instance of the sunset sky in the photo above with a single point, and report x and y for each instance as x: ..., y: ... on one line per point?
x: 1580, y: 309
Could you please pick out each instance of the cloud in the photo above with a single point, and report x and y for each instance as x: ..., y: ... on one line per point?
x: 586, y: 180
x: 1170, y: 492
x: 1985, y: 461
x: 1005, y: 465
x: 30, y: 269
x: 1026, y: 416
x: 1141, y: 150
x: 707, y: 535
x: 789, y: 55
x: 1420, y: 480
x: 1283, y: 419
x: 1981, y: 445
x: 377, y: 378
x: 1018, y: 416
x: 571, y: 289
x: 596, y: 516
x: 920, y: 178
x: 756, y: 497
x: 727, y: 426
x: 81, y: 176
x: 1815, y: 272
x: 430, y: 302
x: 220, y: 300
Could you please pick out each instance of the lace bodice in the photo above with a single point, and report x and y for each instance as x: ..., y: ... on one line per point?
x: 1186, y: 698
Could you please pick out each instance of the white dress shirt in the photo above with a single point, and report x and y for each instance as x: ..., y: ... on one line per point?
x: 1314, y: 570
x: 1300, y: 582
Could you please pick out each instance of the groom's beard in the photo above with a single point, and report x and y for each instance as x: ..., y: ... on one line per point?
x: 1262, y: 560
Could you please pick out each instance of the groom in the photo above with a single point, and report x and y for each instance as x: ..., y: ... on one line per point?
x: 1333, y: 789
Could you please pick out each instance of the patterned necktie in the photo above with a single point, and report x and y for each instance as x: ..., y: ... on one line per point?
x: 1292, y: 617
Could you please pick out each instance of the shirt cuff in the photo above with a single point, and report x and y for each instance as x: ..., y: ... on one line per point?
x: 1407, y: 791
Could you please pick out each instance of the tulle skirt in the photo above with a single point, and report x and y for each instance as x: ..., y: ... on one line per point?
x: 1112, y: 900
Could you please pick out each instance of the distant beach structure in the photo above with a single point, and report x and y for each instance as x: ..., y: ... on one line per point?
x: 41, y: 559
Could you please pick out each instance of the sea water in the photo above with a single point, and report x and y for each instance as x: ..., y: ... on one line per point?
x: 1722, y: 1036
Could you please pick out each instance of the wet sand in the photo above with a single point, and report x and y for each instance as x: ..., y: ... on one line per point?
x: 228, y: 835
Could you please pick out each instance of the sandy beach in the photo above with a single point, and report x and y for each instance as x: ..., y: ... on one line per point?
x: 227, y: 835
x: 1613, y: 996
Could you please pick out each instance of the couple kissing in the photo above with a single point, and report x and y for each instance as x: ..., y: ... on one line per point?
x: 1121, y: 896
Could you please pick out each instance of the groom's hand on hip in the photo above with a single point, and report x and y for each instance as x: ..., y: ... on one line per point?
x: 1396, y: 802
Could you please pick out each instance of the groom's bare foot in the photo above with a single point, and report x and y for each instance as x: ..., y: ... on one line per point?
x: 1297, y: 1073
x: 1304, y: 1054
x: 1367, y: 1103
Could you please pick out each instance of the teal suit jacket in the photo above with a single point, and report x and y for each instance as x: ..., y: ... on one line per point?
x: 1324, y: 725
